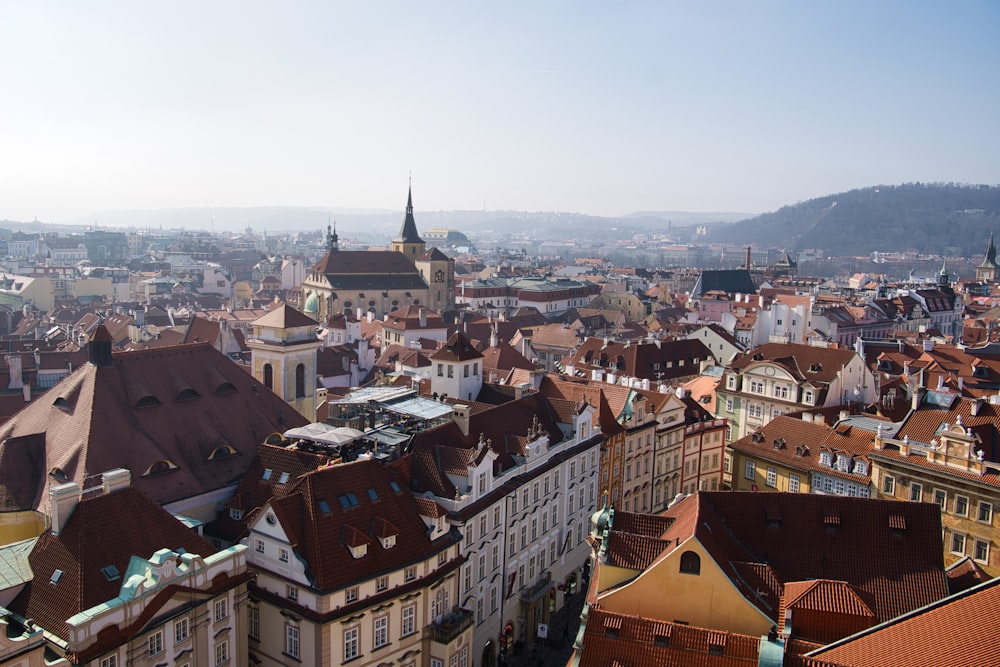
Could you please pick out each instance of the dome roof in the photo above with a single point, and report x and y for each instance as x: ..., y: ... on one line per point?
x: 312, y: 304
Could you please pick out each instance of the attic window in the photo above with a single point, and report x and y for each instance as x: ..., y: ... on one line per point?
x: 161, y: 466
x: 802, y: 450
x: 56, y: 576
x: 815, y: 368
x: 779, y: 443
x: 661, y: 641
x: 831, y: 518
x: 324, y: 507
x: 348, y: 500
x: 758, y: 436
x: 111, y: 572
x: 897, y: 524
x: 147, y: 401
x: 267, y: 474
x: 62, y: 404
x: 284, y: 478
x: 359, y: 551
x: 715, y: 649
x: 884, y: 365
x: 223, y: 452
x: 394, y: 486
x: 58, y: 474
x: 372, y: 494
x: 388, y: 542
x: 187, y: 395
x: 610, y: 632
x: 981, y: 372
x: 225, y: 388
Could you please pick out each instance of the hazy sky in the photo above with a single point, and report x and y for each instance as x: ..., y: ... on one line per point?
x: 596, y: 107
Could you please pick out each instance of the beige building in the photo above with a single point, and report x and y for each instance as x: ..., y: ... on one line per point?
x: 283, y: 356
x: 353, y: 569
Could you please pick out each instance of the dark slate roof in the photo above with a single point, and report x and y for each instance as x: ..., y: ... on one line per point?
x: 730, y: 281
x: 408, y: 230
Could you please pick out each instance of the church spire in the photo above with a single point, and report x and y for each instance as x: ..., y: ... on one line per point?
x: 408, y: 241
x: 987, y: 269
x: 943, y: 278
x: 331, y: 236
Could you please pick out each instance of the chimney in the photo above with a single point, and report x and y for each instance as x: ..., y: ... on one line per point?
x: 117, y: 479
x: 63, y: 499
x: 807, y: 417
x: 928, y: 345
x: 423, y: 317
x: 975, y: 406
x: 460, y: 413
x: 844, y: 414
x: 918, y: 394
x: 14, y: 364
x: 747, y: 265
x: 100, y: 347
x: 26, y: 392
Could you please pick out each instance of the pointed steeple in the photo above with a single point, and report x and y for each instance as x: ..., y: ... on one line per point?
x: 408, y: 241
x: 987, y: 269
x: 943, y: 278
x: 331, y: 237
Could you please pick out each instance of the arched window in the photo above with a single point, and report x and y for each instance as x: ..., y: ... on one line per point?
x: 690, y: 563
x: 268, y: 376
x: 300, y: 381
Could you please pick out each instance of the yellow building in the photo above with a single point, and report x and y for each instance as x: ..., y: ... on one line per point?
x: 944, y: 454
x: 747, y: 562
x: 805, y: 455
x: 283, y: 356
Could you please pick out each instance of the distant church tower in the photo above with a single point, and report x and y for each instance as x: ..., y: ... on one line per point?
x: 408, y: 241
x: 987, y: 269
x: 283, y: 357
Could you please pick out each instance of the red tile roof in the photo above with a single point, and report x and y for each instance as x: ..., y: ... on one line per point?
x: 178, y: 404
x: 617, y: 640
x: 320, y: 534
x: 957, y: 631
x: 105, y: 530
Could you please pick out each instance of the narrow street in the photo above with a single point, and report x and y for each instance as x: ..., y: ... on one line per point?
x: 557, y: 649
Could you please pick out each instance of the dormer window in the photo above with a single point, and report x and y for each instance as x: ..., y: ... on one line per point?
x: 825, y: 459
x: 388, y: 542
x: 223, y: 452
x: 860, y: 467
x: 359, y: 551
x: 161, y: 466
x: 235, y: 514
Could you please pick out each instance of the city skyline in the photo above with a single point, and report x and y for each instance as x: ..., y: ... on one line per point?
x: 588, y: 107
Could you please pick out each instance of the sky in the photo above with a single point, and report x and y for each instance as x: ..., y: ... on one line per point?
x: 593, y: 107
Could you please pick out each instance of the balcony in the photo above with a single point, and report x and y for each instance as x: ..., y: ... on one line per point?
x: 530, y: 594
x: 451, y: 625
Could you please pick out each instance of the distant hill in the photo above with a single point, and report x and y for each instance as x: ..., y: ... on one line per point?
x: 933, y: 218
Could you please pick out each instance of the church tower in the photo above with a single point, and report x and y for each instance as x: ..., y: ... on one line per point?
x: 987, y: 269
x: 283, y: 357
x: 408, y: 241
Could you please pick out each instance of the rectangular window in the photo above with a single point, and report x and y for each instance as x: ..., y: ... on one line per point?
x: 350, y: 644
x: 985, y: 513
x: 381, y: 583
x: 772, y: 477
x: 961, y: 506
x: 181, y: 630
x: 292, y: 593
x: 408, y: 623
x: 253, y: 622
x: 154, y: 643
x: 982, y: 551
x: 221, y: 609
x: 410, y: 573
x: 751, y: 470
x: 292, y: 640
x: 888, y: 485
x: 958, y: 543
x: 451, y: 371
x: 222, y: 652
x: 793, y: 483
x: 496, y: 516
x: 260, y: 546
x: 440, y: 370
x: 380, y: 631
x: 110, y: 661
x: 494, y: 604
x: 916, y: 492
x: 351, y: 594
x: 941, y: 498
x: 283, y: 555
x: 496, y: 556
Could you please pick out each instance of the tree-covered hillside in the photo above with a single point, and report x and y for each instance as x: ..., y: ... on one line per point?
x: 935, y: 218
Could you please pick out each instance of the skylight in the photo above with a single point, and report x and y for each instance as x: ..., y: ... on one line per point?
x: 394, y: 486
x: 324, y: 507
x: 284, y: 478
x: 56, y: 576
x: 111, y: 572
x: 372, y: 494
x: 267, y: 474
